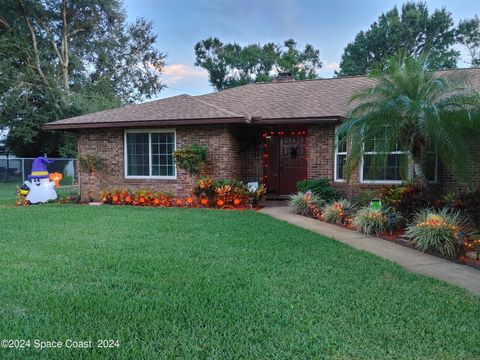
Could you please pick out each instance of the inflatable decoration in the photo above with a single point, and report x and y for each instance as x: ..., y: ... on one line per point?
x: 40, y: 188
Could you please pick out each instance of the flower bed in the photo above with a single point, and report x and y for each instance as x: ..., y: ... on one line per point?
x: 208, y: 193
x: 444, y: 232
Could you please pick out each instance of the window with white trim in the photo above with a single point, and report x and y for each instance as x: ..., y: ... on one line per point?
x: 150, y: 154
x: 340, y: 157
x: 394, y: 168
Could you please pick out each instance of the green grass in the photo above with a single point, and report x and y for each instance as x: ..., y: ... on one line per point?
x: 8, y: 193
x: 178, y: 283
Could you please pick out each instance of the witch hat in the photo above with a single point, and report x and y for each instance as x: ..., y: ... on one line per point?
x: 39, y: 168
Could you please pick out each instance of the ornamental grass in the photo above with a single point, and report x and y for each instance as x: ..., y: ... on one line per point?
x: 303, y: 203
x: 339, y: 212
x: 438, y: 231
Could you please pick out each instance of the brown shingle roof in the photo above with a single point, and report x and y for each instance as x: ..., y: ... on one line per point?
x: 309, y: 100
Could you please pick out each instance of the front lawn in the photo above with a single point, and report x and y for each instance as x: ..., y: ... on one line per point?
x: 179, y: 283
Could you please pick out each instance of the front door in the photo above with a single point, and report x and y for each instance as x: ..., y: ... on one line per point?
x: 286, y: 161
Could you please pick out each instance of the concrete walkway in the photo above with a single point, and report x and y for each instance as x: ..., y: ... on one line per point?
x: 413, y: 260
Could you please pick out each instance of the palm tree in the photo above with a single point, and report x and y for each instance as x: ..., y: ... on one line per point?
x: 413, y: 109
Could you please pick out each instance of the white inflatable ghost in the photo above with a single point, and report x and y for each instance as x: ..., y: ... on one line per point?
x: 41, y: 189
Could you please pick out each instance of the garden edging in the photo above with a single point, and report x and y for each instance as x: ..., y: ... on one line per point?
x: 413, y: 260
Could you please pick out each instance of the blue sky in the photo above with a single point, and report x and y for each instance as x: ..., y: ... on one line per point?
x: 327, y: 25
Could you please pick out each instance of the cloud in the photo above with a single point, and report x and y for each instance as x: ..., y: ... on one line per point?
x: 328, y: 68
x: 181, y: 73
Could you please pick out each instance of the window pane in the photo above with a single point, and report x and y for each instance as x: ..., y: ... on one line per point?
x: 340, y: 165
x: 163, y: 145
x: 393, y: 169
x: 137, y: 154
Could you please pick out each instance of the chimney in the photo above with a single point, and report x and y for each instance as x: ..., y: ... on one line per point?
x: 283, y: 77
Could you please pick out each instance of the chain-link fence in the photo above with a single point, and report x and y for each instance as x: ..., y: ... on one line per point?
x: 16, y: 170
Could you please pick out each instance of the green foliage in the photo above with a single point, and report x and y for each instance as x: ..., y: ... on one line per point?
x: 467, y: 202
x: 191, y: 159
x: 338, y: 212
x: 231, y: 64
x: 370, y: 221
x: 301, y: 203
x: 376, y: 221
x: 437, y: 231
x: 90, y: 163
x: 320, y: 187
x: 68, y: 195
x: 55, y: 67
x: 468, y: 35
x: 406, y: 199
x: 365, y: 197
x: 411, y: 109
x: 412, y: 32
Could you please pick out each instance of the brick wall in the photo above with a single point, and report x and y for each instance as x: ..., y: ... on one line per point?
x: 223, y: 158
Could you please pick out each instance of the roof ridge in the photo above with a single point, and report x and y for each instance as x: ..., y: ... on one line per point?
x: 216, y: 106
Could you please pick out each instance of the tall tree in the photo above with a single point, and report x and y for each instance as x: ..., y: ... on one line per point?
x: 413, y: 110
x: 63, y: 58
x: 231, y: 64
x: 468, y: 35
x: 412, y: 32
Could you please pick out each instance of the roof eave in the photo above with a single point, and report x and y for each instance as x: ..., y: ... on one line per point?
x: 297, y: 120
x: 144, y: 123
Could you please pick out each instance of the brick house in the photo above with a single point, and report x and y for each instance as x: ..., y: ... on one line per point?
x: 274, y: 133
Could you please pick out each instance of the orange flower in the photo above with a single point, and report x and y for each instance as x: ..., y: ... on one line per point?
x: 104, y: 199
x: 236, y: 201
x: 115, y: 198
x: 141, y: 199
x: 204, y: 201
x: 179, y: 202
x: 220, y: 203
x: 128, y: 199
x: 156, y: 202
x: 189, y: 200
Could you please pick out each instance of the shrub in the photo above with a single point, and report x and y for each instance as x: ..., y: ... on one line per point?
x: 364, y: 198
x: 406, y: 199
x: 225, y: 192
x: 466, y: 201
x: 68, y: 195
x: 320, y: 187
x: 338, y: 212
x: 372, y: 221
x: 301, y: 203
x: 437, y: 231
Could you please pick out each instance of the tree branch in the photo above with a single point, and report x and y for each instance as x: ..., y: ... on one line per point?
x: 34, y: 44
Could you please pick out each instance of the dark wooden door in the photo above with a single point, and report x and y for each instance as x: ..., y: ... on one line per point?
x: 293, y: 163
